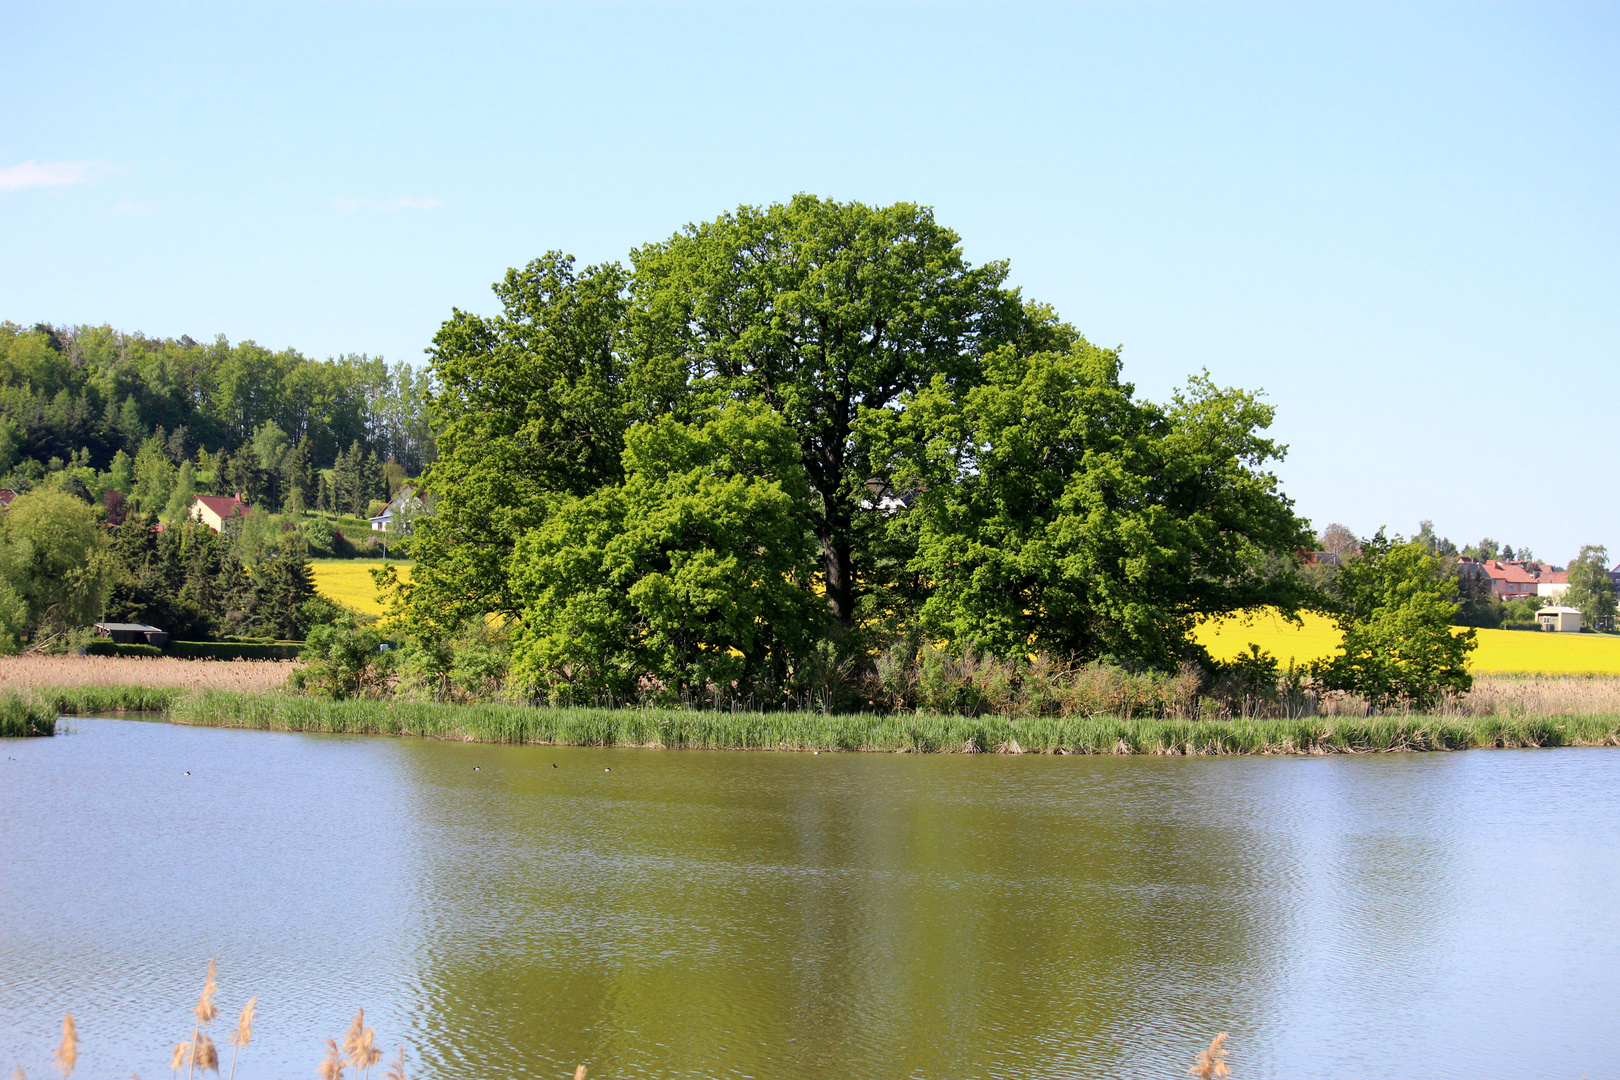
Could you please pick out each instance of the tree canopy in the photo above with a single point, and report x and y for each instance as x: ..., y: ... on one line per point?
x: 817, y: 420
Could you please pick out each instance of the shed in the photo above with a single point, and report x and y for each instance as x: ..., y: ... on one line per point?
x: 132, y: 633
x: 1562, y: 620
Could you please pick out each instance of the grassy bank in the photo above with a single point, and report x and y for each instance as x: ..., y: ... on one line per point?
x: 812, y: 731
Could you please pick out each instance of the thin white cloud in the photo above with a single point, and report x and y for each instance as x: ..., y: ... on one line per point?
x: 51, y: 174
x: 346, y: 205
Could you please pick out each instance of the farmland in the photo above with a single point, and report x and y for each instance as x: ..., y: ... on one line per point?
x: 348, y: 582
x: 1500, y: 651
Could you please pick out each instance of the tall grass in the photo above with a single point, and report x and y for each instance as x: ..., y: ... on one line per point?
x: 23, y: 715
x: 910, y: 732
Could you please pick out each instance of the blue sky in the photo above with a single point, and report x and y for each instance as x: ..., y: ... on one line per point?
x: 1399, y: 221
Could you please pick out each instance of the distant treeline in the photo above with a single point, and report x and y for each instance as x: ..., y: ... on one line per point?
x: 77, y: 396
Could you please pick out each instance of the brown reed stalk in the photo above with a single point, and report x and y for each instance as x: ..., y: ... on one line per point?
x: 243, y: 1033
x: 1211, y: 1063
x: 205, y: 1009
x: 67, y: 1055
x: 357, y: 1044
x: 331, y: 1066
x: 205, y: 1055
x: 396, y: 1068
x: 19, y: 1074
x: 205, y: 1013
x: 579, y: 1073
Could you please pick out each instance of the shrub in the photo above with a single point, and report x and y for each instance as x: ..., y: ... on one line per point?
x: 345, y: 660
x: 235, y: 650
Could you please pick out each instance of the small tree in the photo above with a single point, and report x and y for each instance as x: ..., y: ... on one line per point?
x: 1396, y: 610
x: 55, y: 559
x: 282, y: 584
x: 1590, y: 587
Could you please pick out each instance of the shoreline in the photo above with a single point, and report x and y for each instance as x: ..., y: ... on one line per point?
x: 649, y: 728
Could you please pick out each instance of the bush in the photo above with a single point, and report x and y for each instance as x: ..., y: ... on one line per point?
x: 343, y: 660
x: 235, y: 650
x: 106, y: 647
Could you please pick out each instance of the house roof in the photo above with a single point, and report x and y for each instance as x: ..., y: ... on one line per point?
x: 225, y: 507
x: 1514, y: 573
x: 137, y: 627
x: 1554, y: 577
x: 6, y: 495
x: 1551, y: 610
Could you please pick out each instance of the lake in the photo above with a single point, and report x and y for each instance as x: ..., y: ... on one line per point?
x: 514, y: 911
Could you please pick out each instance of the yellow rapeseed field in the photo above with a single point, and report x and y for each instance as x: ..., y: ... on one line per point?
x: 1517, y: 651
x: 349, y: 582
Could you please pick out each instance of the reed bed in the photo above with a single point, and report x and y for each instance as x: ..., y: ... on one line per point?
x: 25, y: 715
x: 893, y: 733
x: 35, y: 671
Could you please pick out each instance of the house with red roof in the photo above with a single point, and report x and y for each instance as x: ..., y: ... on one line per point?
x: 215, y: 510
x: 1513, y: 580
x: 6, y: 495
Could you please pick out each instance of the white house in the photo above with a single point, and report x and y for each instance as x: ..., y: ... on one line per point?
x: 405, y: 502
x: 1552, y: 583
x: 1561, y: 620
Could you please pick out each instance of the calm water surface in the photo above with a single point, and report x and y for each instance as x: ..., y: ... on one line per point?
x: 512, y: 911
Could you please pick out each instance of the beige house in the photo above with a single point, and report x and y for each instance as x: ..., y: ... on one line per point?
x: 215, y: 510
x: 1560, y: 620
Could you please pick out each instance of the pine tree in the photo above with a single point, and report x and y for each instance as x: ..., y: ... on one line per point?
x: 373, y: 486
x: 296, y: 476
x: 281, y: 587
x: 346, y: 481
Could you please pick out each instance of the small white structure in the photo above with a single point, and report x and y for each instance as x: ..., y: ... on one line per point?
x: 1561, y: 620
x: 405, y: 505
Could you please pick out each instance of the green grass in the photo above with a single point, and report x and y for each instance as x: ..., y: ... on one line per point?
x: 690, y: 729
x: 25, y: 714
x: 904, y: 733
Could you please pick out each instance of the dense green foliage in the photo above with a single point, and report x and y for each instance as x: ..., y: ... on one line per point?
x: 1396, y: 610
x: 54, y: 567
x: 1591, y: 589
x: 797, y: 437
x: 82, y: 395
x: 1058, y: 513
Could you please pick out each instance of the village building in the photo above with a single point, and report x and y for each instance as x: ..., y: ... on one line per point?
x: 132, y: 633
x: 1552, y: 583
x: 6, y: 495
x: 1512, y: 580
x: 1560, y: 620
x: 215, y: 510
x: 405, y: 503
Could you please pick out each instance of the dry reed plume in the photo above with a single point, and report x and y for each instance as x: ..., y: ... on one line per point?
x: 67, y: 1055
x: 164, y: 672
x: 1211, y: 1062
x: 331, y: 1066
x: 396, y: 1068
x: 579, y: 1073
x: 358, y: 1045
x: 243, y: 1033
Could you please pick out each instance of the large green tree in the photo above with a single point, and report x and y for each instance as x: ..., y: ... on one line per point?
x: 1058, y: 512
x: 829, y: 313
x: 695, y: 572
